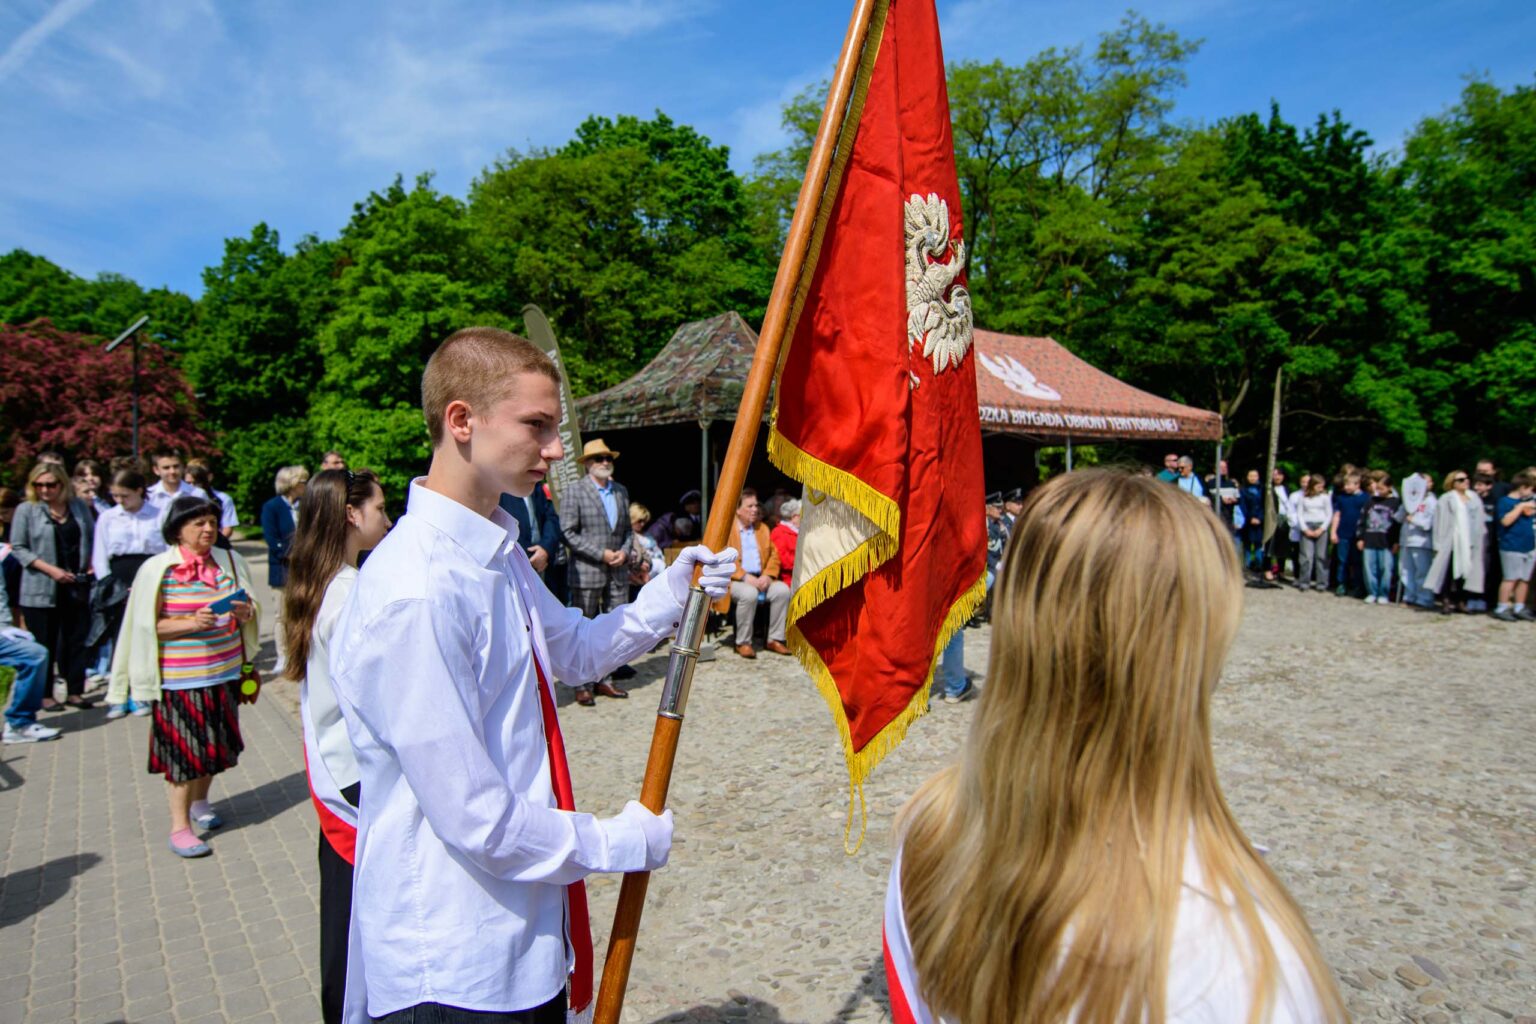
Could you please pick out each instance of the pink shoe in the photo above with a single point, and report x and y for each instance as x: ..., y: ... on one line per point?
x: 184, y: 843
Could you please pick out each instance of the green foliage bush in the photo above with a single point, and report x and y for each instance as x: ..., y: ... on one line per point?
x: 1396, y: 293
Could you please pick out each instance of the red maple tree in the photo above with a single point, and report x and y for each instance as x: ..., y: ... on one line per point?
x: 63, y: 391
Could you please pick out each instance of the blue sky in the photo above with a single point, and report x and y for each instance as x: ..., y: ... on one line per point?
x: 141, y: 133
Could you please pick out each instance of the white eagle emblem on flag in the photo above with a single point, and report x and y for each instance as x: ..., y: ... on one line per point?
x: 942, y: 325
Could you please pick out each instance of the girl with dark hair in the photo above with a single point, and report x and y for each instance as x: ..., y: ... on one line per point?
x: 90, y: 481
x: 127, y: 534
x: 188, y: 645
x: 343, y: 517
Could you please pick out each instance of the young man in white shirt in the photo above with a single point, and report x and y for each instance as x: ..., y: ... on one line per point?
x: 169, y: 468
x: 467, y: 897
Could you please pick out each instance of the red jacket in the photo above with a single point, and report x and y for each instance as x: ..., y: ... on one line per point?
x: 784, y: 539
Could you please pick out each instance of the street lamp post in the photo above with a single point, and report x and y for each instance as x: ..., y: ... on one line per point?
x: 132, y: 332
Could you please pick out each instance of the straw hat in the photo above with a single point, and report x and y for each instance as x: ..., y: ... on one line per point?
x: 596, y: 447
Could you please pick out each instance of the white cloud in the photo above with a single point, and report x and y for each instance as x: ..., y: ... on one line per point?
x: 759, y: 127
x: 23, y: 46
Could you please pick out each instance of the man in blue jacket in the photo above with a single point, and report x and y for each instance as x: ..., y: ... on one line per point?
x: 278, y: 519
x: 538, y: 531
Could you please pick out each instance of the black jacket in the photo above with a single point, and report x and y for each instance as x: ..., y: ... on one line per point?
x: 548, y: 537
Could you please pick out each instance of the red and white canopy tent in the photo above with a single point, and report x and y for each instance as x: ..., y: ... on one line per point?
x: 1034, y: 388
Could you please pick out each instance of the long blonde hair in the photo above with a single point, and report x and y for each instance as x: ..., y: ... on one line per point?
x: 1041, y: 876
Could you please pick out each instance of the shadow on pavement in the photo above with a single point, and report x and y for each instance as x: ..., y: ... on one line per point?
x: 10, y: 778
x: 28, y: 891
x: 743, y: 1009
x: 871, y: 989
x: 262, y: 804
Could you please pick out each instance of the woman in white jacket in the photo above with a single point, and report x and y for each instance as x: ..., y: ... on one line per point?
x: 343, y: 517
x: 1460, y: 533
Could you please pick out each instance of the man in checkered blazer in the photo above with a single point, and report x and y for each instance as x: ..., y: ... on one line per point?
x: 594, y: 514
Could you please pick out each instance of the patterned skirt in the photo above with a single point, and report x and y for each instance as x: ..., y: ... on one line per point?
x: 195, y: 733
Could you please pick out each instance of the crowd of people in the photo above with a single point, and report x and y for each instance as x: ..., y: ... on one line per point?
x: 426, y: 691
x: 1468, y: 549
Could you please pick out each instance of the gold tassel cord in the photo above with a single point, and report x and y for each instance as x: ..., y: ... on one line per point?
x: 863, y: 761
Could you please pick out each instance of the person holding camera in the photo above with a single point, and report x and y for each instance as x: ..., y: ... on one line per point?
x: 51, y: 537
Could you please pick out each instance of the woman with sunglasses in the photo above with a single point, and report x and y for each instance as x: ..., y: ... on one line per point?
x: 51, y: 537
x: 1459, y: 531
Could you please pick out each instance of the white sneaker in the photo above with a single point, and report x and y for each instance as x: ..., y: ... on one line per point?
x: 37, y: 732
x: 140, y: 710
x: 117, y: 711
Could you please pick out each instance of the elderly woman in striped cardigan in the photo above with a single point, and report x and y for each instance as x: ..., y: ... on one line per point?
x: 187, y: 646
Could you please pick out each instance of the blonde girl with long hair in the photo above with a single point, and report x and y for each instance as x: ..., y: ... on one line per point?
x: 1080, y: 863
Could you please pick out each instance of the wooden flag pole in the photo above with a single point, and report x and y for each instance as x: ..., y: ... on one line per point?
x: 733, y: 474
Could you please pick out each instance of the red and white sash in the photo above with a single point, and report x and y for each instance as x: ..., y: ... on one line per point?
x: 580, y: 929
x: 907, y: 1007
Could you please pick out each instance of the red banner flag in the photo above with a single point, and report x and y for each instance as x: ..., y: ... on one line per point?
x: 876, y: 402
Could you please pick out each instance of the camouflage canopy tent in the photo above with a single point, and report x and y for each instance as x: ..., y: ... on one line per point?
x: 696, y: 379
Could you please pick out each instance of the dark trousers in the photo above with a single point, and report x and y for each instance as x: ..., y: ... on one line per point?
x: 594, y: 602
x: 62, y: 630
x: 1349, y: 567
x: 552, y: 1012
x: 335, y: 921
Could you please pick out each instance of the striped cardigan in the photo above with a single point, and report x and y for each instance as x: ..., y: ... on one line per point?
x: 136, y: 655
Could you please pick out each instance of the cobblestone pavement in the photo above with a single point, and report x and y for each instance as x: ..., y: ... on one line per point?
x: 1384, y: 757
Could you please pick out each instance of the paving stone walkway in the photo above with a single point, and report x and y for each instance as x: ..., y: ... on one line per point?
x: 100, y: 923
x: 1385, y: 758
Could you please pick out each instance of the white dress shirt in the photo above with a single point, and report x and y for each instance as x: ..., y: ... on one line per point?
x: 331, y: 764
x: 120, y: 532
x: 159, y: 497
x: 227, y: 516
x: 461, y: 854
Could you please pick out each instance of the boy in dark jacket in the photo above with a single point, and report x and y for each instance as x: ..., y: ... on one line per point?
x: 1348, y: 501
x: 1377, y: 528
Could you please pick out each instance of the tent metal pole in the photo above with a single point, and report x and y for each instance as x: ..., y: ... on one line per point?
x: 1069, y: 454
x: 704, y: 471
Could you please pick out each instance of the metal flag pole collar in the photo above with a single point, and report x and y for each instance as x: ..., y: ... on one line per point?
x: 685, y: 656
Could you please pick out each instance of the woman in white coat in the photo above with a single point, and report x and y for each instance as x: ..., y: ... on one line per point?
x: 1460, y: 534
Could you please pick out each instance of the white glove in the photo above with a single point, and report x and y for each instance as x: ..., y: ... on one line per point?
x: 716, y: 578
x: 657, y: 829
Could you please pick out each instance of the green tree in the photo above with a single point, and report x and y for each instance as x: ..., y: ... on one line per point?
x: 1467, y: 230
x: 1055, y: 159
x: 253, y: 357
x: 630, y: 229
x: 33, y: 287
x: 1208, y: 300
x: 774, y: 187
x: 410, y: 278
